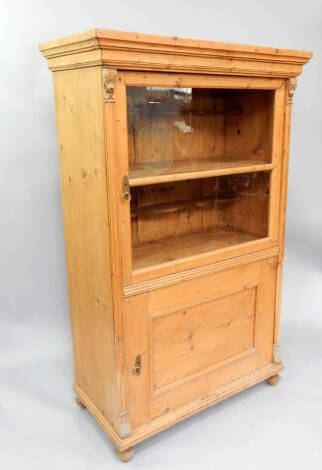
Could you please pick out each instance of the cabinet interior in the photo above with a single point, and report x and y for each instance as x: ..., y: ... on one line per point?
x: 184, y: 218
x: 199, y: 170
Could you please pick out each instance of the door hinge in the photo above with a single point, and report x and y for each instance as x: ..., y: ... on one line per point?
x: 126, y: 194
x: 138, y: 364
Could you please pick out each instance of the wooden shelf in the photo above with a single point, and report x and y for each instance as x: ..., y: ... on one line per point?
x: 178, y: 170
x: 180, y: 206
x: 183, y: 246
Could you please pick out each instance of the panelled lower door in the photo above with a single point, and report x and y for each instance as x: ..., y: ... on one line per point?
x: 196, y: 336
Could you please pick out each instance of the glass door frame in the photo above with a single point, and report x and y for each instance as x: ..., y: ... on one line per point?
x: 161, y: 79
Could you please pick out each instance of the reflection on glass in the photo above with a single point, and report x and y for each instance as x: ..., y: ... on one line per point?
x: 175, y: 220
x: 170, y: 128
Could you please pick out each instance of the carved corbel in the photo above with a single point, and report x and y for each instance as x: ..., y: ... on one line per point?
x: 276, y: 354
x: 290, y: 89
x: 109, y: 77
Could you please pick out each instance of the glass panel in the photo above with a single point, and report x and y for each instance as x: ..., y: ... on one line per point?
x: 178, y: 219
x: 175, y: 133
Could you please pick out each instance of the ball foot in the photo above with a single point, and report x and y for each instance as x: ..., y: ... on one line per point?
x: 125, y: 455
x: 80, y: 403
x: 273, y: 380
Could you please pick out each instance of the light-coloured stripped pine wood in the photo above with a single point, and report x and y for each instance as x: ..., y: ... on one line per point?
x: 174, y: 295
x: 181, y: 170
x: 136, y: 51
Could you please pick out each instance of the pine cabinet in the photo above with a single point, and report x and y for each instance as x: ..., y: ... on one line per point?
x: 173, y: 159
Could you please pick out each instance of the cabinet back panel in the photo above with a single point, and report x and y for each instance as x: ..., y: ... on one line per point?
x: 166, y: 124
x: 169, y: 209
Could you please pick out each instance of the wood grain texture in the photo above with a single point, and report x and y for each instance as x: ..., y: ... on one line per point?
x: 183, y: 357
x: 289, y: 85
x: 142, y: 174
x: 113, y: 191
x: 80, y: 133
x: 195, y: 290
x: 200, y: 336
x: 201, y: 271
x: 172, y: 417
x: 121, y: 169
x: 237, y: 123
x: 167, y: 269
x: 277, y: 155
x: 135, y: 314
x: 188, y: 245
x: 89, y: 40
x: 156, y: 79
x: 170, y: 128
x: 174, y: 296
x: 137, y: 51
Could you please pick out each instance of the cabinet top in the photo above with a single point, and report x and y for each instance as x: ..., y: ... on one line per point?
x: 136, y: 51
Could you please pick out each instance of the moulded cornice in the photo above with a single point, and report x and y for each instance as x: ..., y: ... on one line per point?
x: 136, y: 51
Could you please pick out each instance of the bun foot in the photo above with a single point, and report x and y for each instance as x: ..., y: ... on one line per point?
x: 80, y: 403
x: 273, y: 380
x: 125, y: 455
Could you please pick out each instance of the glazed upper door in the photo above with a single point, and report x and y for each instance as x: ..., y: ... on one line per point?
x: 200, y: 164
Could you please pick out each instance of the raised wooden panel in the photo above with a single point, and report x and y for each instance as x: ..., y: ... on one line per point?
x: 201, y: 386
x: 194, y: 290
x: 194, y: 338
x: 201, y: 334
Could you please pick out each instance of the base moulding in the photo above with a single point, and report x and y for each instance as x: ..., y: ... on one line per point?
x: 166, y: 420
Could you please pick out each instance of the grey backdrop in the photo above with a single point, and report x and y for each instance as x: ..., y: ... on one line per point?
x: 40, y: 425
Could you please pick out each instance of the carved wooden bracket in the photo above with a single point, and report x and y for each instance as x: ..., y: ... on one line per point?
x: 109, y: 77
x: 291, y: 85
x: 276, y: 354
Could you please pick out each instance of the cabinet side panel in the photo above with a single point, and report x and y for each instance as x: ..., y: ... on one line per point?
x: 80, y: 129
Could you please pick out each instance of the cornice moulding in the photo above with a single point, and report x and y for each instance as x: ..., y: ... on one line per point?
x: 135, y: 51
